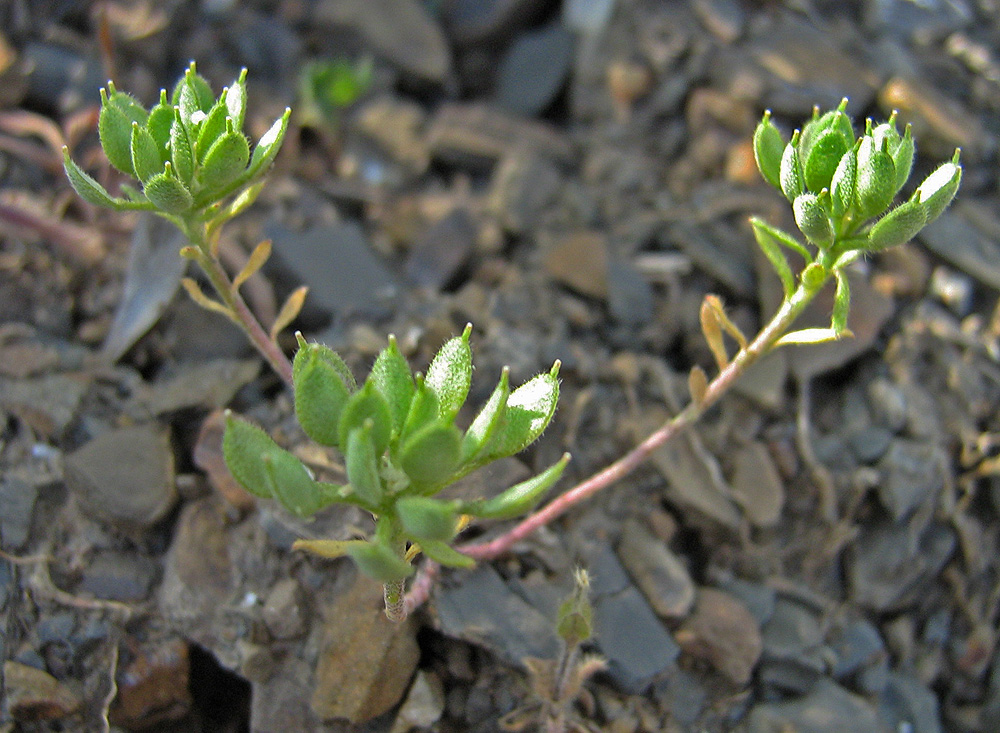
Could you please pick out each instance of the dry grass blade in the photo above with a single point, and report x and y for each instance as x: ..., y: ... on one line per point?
x: 713, y: 333
x: 289, y: 311
x: 194, y: 290
x: 258, y: 257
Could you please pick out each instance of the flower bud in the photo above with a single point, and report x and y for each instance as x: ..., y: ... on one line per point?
x: 898, y: 226
x: 939, y: 188
x: 767, y: 149
x: 812, y: 216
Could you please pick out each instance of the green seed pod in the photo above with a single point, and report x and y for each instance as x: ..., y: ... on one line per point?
x: 430, y: 456
x: 145, y: 154
x: 450, y: 373
x: 320, y: 394
x: 843, y: 186
x: 898, y: 226
x: 88, y: 189
x: 160, y: 119
x: 939, y: 188
x: 193, y: 94
x: 767, y: 149
x: 790, y: 174
x: 361, y: 461
x: 485, y: 423
x: 518, y: 499
x: 876, y: 186
x: 167, y: 193
x: 530, y: 407
x: 114, y: 124
x: 367, y: 404
x: 379, y: 562
x: 812, y: 216
x: 225, y: 161
x: 814, y: 276
x: 243, y: 447
x: 392, y: 378
x: 427, y: 519
x: 823, y: 157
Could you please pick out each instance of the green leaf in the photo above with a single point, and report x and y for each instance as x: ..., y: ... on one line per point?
x: 897, y: 227
x: 423, y: 408
x: 430, y: 455
x: 771, y: 248
x: 530, y: 407
x: 88, y: 189
x: 784, y: 239
x: 328, y: 355
x: 450, y: 374
x: 427, y: 519
x: 211, y: 129
x: 362, y: 465
x: 367, y: 404
x: 379, y: 562
x: 167, y: 193
x: 160, y: 119
x: 811, y: 336
x: 518, y: 499
x: 812, y: 216
x: 243, y: 446
x: 292, y: 484
x: 114, y: 125
x: 145, y: 154
x: 236, y: 99
x: 841, y: 303
x: 822, y: 160
x: 194, y: 96
x: 446, y: 555
x: 936, y: 191
x: 485, y: 423
x: 225, y: 161
x: 842, y: 188
x: 320, y: 393
x: 790, y: 171
x: 902, y: 158
x: 181, y: 150
x: 767, y: 149
x: 392, y: 378
x: 268, y: 146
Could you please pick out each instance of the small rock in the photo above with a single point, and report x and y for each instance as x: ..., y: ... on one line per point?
x: 402, y: 30
x: 909, y: 705
x: 343, y: 273
x: 913, y: 473
x: 283, y: 612
x: 17, y: 506
x: 33, y: 695
x: 483, y: 610
x: 870, y: 444
x: 724, y: 19
x: 580, y: 261
x: 534, y: 69
x: 523, y: 187
x: 858, y: 646
x: 587, y: 16
x: 125, y: 477
x: 209, y: 385
x: 715, y: 257
x: 48, y: 403
x: 722, y: 631
x: 630, y: 297
x: 423, y: 706
x: 366, y: 661
x: 954, y: 239
x: 659, y: 573
x: 397, y: 126
x: 757, y: 486
x: 473, y: 22
x: 793, y: 656
x: 118, y: 576
x: 441, y: 252
x: 827, y: 707
x: 153, y: 688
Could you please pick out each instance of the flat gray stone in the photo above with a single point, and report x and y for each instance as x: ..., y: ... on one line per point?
x: 534, y: 69
x: 827, y: 707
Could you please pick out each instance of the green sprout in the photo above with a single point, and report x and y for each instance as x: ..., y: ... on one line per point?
x: 327, y: 87
x: 401, y: 447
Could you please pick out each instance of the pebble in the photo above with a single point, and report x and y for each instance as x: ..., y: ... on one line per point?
x: 661, y: 575
x: 533, y: 69
x: 723, y: 632
x: 523, y: 188
x: 856, y: 647
x: 724, y: 19
x: 889, y: 563
x: 153, y: 687
x: 48, y: 403
x: 909, y: 705
x: 793, y: 656
x: 630, y: 296
x: 17, y: 506
x: 579, y: 260
x: 442, y: 251
x: 33, y: 695
x: 827, y: 707
x: 424, y: 704
x: 757, y: 487
x: 283, y: 613
x: 125, y: 477
x: 587, y: 16
x: 404, y: 31
x: 870, y: 444
x: 477, y: 22
x: 209, y: 385
x: 366, y: 661
x: 954, y: 239
x: 118, y: 576
x: 912, y: 475
x: 343, y: 273
x: 397, y: 126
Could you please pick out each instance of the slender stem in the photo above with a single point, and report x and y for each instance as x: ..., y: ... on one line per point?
x: 395, y: 601
x: 244, y: 317
x: 761, y: 345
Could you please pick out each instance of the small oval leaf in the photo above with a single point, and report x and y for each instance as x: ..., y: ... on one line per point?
x: 450, y: 373
x: 392, y: 378
x: 367, y: 404
x: 530, y: 407
x: 520, y: 498
x: 379, y: 562
x: 168, y: 194
x: 424, y: 518
x: 145, y: 155
x: 484, y: 425
x: 243, y: 447
x: 320, y: 395
x: 430, y: 456
x: 362, y: 465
